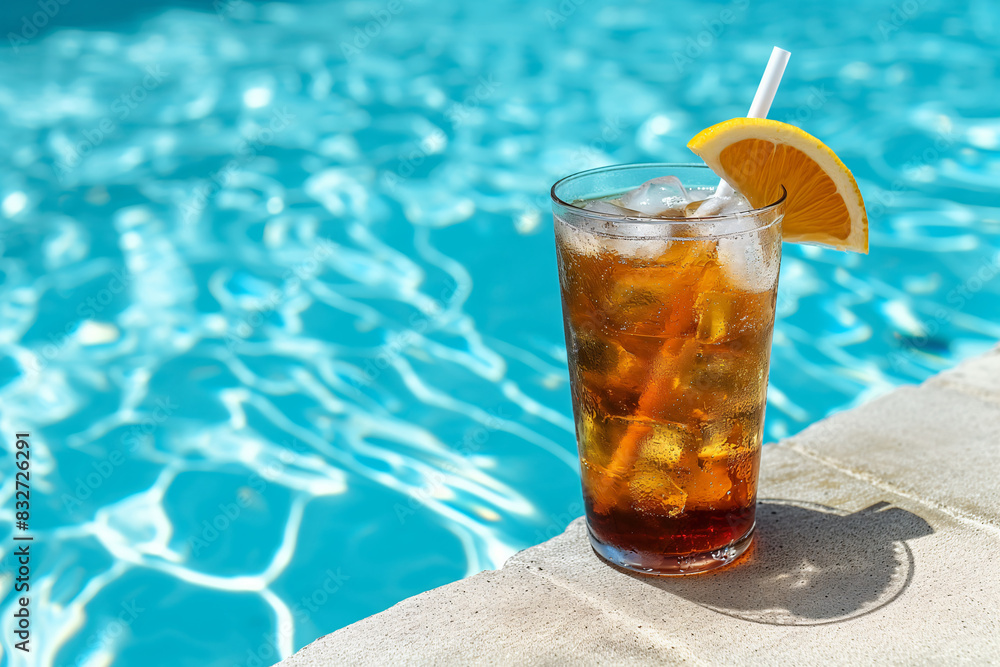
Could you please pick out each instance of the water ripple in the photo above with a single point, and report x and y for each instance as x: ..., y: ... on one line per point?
x: 279, y: 297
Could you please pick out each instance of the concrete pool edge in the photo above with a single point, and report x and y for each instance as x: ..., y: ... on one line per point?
x: 879, y: 528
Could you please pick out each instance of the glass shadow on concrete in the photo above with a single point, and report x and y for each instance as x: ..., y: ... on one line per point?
x: 810, y: 565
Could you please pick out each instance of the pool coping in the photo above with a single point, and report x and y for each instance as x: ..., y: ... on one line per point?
x: 870, y: 525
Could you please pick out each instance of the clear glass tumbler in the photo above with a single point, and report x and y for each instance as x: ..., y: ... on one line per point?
x: 668, y: 326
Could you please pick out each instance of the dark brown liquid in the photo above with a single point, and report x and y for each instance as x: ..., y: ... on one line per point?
x: 695, y: 531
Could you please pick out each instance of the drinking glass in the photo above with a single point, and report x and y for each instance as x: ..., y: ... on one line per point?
x: 668, y: 328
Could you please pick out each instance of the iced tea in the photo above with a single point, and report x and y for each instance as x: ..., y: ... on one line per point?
x: 668, y: 328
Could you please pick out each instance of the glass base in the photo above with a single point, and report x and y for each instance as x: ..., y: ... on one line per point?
x: 667, y: 565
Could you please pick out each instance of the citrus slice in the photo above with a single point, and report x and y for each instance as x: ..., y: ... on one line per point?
x: 757, y: 156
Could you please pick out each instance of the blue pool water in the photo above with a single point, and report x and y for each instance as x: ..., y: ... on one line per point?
x: 279, y: 300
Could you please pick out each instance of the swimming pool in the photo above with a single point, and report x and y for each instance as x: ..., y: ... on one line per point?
x: 279, y: 294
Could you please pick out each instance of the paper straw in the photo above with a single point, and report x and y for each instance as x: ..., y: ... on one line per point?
x: 762, y: 99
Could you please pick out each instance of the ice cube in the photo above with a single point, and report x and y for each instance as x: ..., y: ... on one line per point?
x: 734, y: 203
x: 715, y: 443
x: 749, y: 255
x: 612, y: 376
x: 595, y: 354
x: 657, y: 196
x: 724, y: 205
x: 724, y: 381
x: 584, y: 242
x: 594, y: 434
x: 665, y: 446
x: 656, y: 485
x: 751, y: 260
x: 745, y: 458
x: 652, y: 300
x: 726, y: 315
x: 716, y: 315
x: 656, y: 494
x: 605, y: 206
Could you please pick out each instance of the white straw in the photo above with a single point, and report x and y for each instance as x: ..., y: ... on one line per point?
x: 761, y: 100
x: 769, y: 83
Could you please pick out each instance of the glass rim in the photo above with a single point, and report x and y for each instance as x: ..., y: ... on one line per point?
x: 641, y: 219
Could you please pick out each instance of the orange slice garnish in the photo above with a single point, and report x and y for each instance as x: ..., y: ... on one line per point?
x: 758, y: 156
